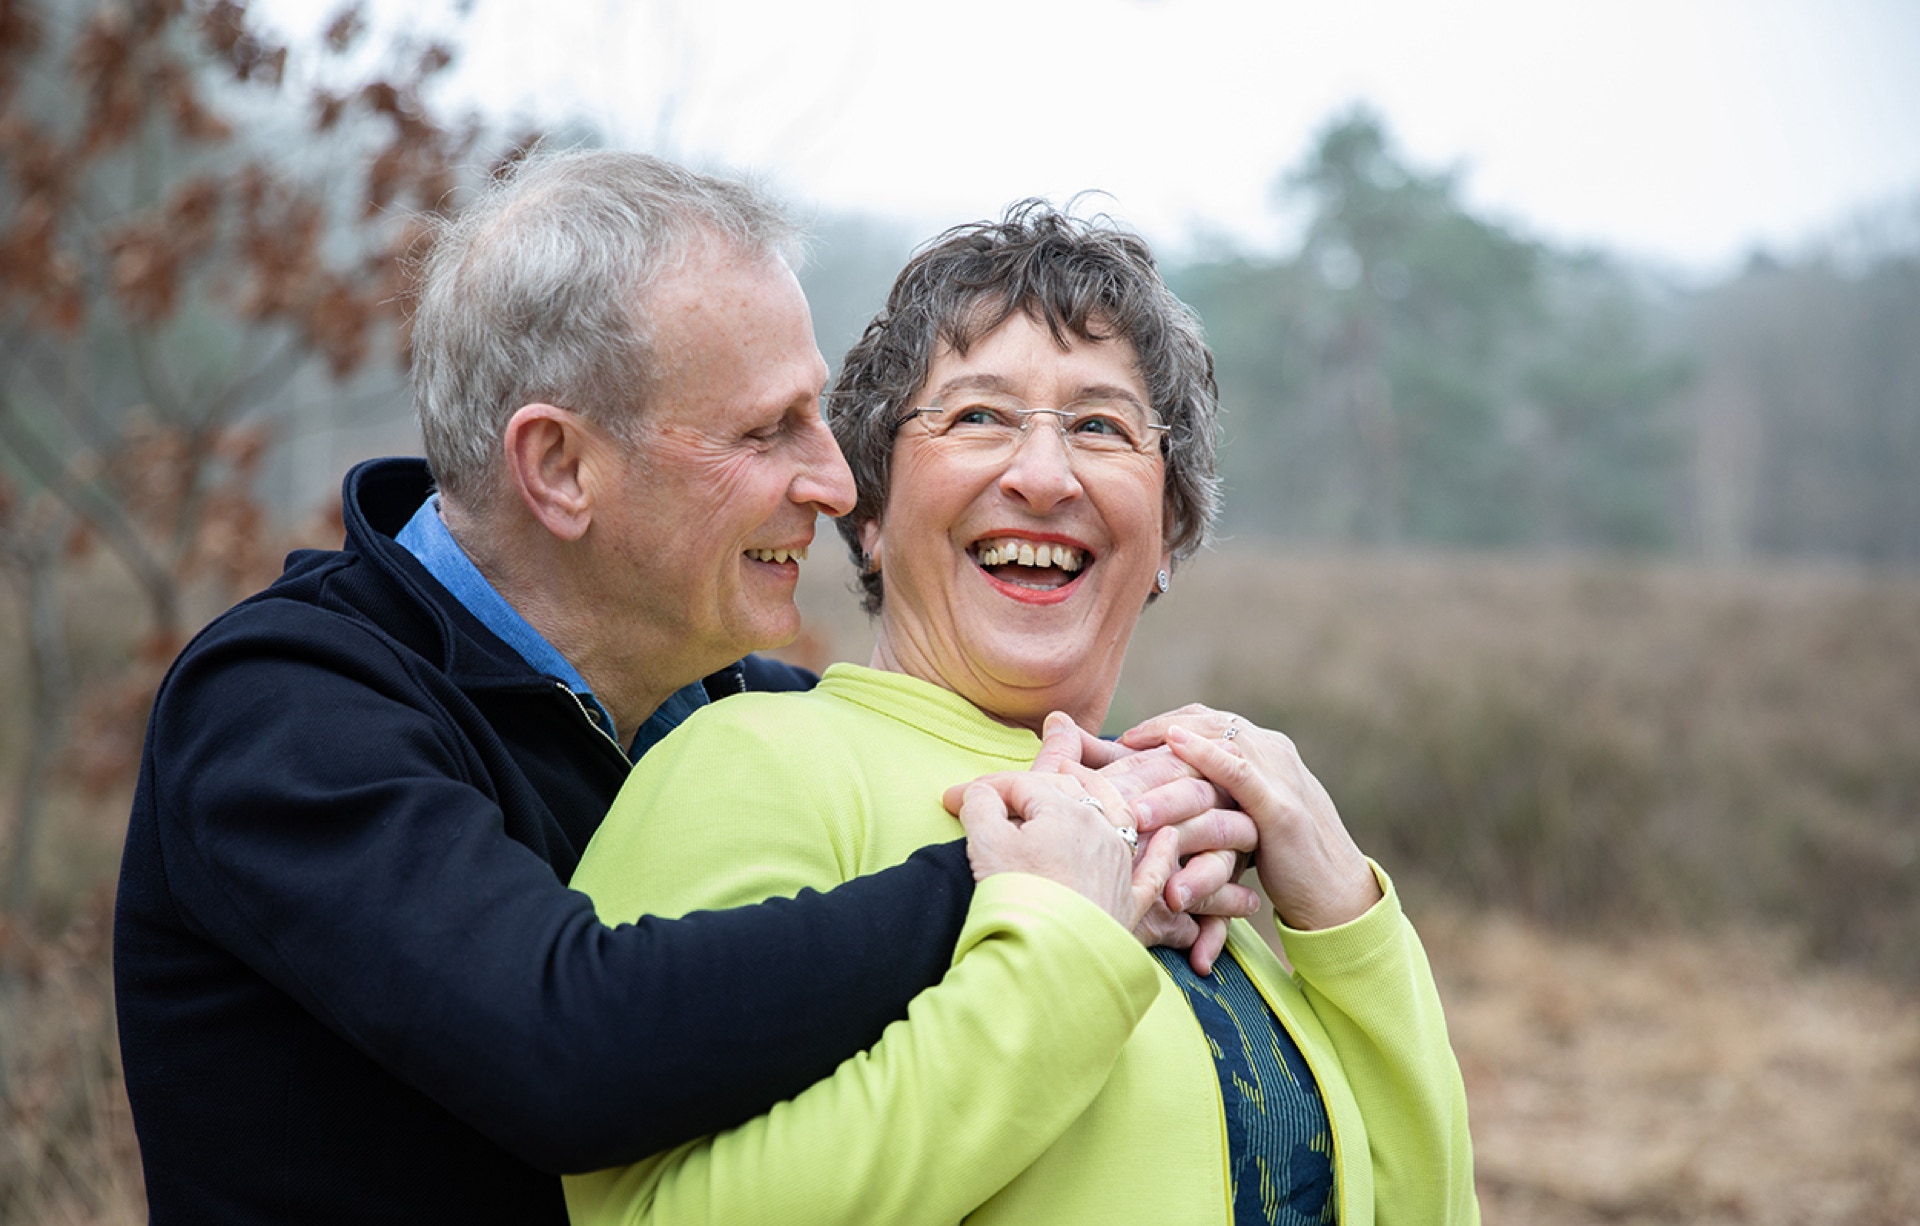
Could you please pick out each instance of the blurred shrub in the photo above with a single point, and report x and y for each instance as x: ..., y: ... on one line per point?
x: 67, y: 1150
x: 1586, y: 744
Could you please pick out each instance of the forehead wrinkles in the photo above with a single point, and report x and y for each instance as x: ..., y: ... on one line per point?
x: 987, y: 381
x: 984, y: 323
x: 1064, y: 321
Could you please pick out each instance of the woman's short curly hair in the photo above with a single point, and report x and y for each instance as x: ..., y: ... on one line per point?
x: 1081, y: 277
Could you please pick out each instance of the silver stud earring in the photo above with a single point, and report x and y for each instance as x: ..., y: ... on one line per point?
x: 1160, y: 582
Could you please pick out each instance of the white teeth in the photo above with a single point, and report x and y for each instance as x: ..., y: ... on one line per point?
x: 1012, y: 552
x: 778, y: 555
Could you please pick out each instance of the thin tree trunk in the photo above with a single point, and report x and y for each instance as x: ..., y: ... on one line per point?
x: 48, y: 687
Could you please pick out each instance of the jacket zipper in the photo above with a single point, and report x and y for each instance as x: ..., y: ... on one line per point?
x: 591, y: 721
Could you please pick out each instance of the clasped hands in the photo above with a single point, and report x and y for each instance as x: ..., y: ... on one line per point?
x: 1208, y: 793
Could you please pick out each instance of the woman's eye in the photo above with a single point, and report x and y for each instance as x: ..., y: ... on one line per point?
x: 1101, y: 426
x: 978, y: 415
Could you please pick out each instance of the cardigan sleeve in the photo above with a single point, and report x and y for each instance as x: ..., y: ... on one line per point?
x: 986, y: 1070
x: 1372, y: 990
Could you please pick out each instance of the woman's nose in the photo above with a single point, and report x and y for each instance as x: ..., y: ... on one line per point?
x: 1040, y: 472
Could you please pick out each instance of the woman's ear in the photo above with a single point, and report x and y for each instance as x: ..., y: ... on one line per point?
x: 870, y: 545
x: 547, y: 455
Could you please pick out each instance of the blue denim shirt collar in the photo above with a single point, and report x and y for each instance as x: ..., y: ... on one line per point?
x: 427, y: 539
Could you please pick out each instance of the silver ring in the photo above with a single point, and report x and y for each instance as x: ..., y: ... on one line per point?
x: 1233, y: 728
x: 1088, y: 800
x: 1131, y: 835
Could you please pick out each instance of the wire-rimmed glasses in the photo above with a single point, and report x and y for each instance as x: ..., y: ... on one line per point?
x: 996, y: 423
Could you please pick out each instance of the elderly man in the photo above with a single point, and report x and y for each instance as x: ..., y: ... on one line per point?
x: 353, y: 986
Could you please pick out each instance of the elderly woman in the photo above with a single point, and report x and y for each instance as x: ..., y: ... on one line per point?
x: 1030, y: 423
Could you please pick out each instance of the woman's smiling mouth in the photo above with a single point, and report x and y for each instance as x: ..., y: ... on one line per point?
x: 1031, y: 566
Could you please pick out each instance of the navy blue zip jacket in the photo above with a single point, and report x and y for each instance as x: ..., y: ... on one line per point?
x: 352, y: 984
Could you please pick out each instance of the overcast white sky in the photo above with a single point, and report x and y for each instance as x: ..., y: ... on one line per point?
x: 1681, y: 131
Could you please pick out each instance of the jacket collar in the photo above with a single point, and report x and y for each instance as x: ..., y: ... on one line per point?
x: 378, y: 497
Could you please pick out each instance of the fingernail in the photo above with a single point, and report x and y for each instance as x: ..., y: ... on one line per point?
x: 1185, y: 895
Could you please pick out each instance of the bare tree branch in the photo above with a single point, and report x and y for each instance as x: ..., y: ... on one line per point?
x: 100, y: 512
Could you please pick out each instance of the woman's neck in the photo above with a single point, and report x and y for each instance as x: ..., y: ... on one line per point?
x: 1084, y: 696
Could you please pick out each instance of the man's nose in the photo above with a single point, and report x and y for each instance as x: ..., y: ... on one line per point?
x: 824, y: 480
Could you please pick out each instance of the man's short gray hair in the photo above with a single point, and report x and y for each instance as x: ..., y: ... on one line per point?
x: 1082, y: 278
x: 536, y: 293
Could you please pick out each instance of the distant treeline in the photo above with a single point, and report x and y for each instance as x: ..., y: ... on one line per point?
x: 1416, y: 375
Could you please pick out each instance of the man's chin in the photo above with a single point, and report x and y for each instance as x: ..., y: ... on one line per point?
x: 774, y: 628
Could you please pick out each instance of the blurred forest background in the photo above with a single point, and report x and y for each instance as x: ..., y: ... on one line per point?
x: 1593, y: 596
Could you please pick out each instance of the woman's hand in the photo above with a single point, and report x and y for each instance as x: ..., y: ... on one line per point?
x: 1066, y: 827
x: 1213, y: 837
x: 1308, y: 863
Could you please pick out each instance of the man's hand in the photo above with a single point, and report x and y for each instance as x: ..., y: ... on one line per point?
x: 1217, y: 840
x: 1165, y: 793
x: 1045, y: 824
x: 1063, y: 741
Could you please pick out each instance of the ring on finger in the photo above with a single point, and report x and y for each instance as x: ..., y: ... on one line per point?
x: 1088, y: 800
x: 1130, y: 834
x: 1233, y: 728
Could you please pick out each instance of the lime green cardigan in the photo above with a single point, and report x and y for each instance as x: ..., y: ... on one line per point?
x: 1056, y: 1074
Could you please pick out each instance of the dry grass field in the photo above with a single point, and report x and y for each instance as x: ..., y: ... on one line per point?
x: 1660, y: 829
x: 1673, y: 1079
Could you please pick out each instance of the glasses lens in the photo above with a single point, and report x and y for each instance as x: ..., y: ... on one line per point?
x: 978, y: 418
x: 1107, y: 425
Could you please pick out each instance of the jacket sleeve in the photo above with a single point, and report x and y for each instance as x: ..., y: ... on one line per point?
x: 986, y: 1071
x: 322, y: 824
x: 1372, y: 990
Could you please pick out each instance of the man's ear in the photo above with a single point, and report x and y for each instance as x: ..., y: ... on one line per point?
x: 547, y: 455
